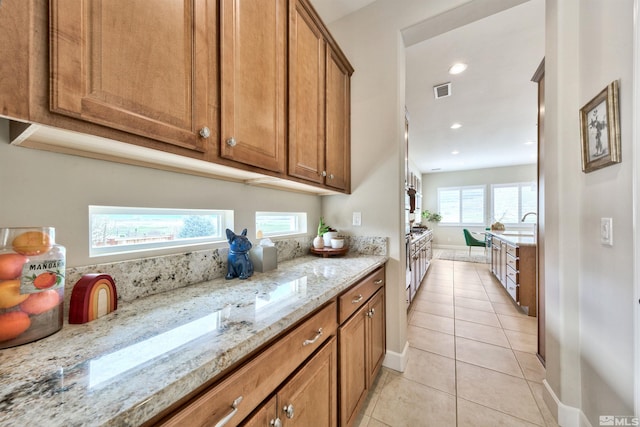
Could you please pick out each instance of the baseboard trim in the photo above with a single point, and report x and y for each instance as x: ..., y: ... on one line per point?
x: 566, y: 416
x: 397, y: 361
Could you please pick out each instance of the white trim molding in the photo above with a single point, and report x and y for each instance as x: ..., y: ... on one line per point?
x: 397, y: 361
x: 567, y: 416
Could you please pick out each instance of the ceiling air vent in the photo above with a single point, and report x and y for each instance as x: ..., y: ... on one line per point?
x: 442, y: 90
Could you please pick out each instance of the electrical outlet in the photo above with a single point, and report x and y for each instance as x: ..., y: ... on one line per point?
x: 357, y: 219
x: 606, y: 231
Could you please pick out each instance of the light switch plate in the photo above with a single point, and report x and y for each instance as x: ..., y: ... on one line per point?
x: 357, y: 219
x: 606, y: 231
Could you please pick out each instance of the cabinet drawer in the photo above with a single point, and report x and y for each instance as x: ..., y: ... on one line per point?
x: 357, y: 296
x: 513, y: 290
x: 513, y: 275
x: 250, y: 384
x: 512, y: 250
x: 512, y: 262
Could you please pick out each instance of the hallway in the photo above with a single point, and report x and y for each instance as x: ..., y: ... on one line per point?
x: 471, y: 359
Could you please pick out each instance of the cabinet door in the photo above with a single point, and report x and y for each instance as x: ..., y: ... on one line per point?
x: 338, y: 131
x: 143, y: 66
x: 376, y: 336
x: 253, y: 82
x: 306, y: 95
x: 309, y: 398
x: 264, y: 416
x: 353, y: 368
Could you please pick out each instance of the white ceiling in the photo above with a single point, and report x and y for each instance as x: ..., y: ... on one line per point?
x: 494, y: 99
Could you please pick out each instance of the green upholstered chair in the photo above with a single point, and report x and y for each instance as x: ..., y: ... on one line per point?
x: 472, y: 241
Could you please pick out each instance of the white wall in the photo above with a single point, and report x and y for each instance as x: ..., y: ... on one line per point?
x: 39, y: 188
x: 589, y: 286
x: 444, y: 235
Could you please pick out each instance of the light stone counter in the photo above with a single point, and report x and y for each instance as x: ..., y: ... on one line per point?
x: 519, y: 238
x: 129, y: 365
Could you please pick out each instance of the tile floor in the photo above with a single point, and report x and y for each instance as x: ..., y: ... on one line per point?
x: 471, y: 359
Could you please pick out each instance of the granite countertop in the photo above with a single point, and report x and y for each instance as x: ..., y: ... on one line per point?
x: 129, y: 365
x: 520, y: 238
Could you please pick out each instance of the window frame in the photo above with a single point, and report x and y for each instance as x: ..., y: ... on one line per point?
x: 460, y: 190
x: 521, y: 211
x: 299, y: 217
x: 225, y: 218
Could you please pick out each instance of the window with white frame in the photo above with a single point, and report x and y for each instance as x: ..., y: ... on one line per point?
x: 511, y: 201
x: 116, y: 230
x: 271, y: 224
x: 462, y: 205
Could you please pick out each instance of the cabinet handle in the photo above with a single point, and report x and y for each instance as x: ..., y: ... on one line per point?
x: 288, y: 411
x: 205, y: 132
x: 357, y: 299
x: 378, y: 282
x: 311, y: 341
x: 226, y: 419
x: 276, y: 423
x: 324, y: 173
x: 371, y: 312
x: 331, y: 176
x: 231, y: 142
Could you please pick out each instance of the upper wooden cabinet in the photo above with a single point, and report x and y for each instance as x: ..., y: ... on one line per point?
x: 307, y: 59
x: 338, y: 118
x: 256, y: 91
x: 319, y: 102
x: 141, y: 66
x: 253, y: 65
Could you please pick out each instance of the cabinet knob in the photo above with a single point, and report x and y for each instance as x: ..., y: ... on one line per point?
x: 231, y: 142
x: 331, y: 176
x: 276, y: 423
x: 288, y: 411
x: 371, y: 312
x: 205, y: 132
x: 324, y: 173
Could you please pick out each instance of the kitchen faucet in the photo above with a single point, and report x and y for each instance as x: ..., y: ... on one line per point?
x: 527, y: 214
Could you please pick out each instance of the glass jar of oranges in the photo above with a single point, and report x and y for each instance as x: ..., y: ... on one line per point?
x: 32, y: 268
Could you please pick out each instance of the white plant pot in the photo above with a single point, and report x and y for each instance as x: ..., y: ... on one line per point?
x: 318, y: 242
x: 328, y: 236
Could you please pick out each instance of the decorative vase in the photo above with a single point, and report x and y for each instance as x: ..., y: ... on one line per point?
x: 318, y: 242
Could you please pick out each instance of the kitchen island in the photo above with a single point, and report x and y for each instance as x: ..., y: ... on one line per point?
x: 132, y: 364
x: 513, y: 263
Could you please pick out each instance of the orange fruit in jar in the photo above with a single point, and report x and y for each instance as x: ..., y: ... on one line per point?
x: 10, y: 295
x: 45, y: 280
x: 12, y: 324
x: 32, y: 243
x: 11, y: 266
x: 40, y: 302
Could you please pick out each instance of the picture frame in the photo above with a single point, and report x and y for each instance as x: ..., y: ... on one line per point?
x: 600, y: 130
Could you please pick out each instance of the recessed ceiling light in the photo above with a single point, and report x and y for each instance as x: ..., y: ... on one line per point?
x: 454, y: 152
x: 457, y: 68
x: 456, y: 126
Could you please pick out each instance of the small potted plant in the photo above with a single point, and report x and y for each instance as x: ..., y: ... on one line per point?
x: 318, y: 241
x: 431, y: 216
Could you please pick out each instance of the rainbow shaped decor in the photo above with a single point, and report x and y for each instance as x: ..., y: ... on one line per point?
x: 93, y: 296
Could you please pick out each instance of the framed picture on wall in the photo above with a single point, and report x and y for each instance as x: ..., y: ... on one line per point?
x: 600, y: 130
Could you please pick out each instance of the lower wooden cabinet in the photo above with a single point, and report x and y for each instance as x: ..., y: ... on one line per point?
x: 244, y: 389
x: 362, y: 350
x: 307, y: 399
x: 316, y: 374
